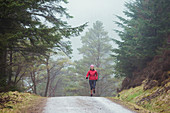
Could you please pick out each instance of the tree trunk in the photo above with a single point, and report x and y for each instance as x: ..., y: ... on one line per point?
x: 35, y: 89
x: 34, y: 82
x: 35, y: 85
x: 55, y: 87
x: 48, y: 77
x: 10, y: 70
x: 3, y: 58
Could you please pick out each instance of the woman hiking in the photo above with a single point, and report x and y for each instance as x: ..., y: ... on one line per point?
x: 93, y: 77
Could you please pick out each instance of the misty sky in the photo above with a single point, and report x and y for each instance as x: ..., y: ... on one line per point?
x: 90, y: 11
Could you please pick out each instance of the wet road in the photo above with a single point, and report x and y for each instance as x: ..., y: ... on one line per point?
x: 83, y: 104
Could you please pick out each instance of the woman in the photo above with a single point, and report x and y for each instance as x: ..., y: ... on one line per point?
x: 93, y: 77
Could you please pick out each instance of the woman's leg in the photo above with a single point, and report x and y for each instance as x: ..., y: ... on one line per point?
x: 94, y: 85
x: 91, y: 86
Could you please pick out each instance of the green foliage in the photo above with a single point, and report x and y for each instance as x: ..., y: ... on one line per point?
x: 57, y: 65
x: 145, y: 30
x: 31, y: 28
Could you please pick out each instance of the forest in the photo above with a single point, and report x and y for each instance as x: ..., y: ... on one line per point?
x: 35, y: 49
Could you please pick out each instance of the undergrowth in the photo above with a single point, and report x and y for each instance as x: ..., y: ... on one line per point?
x: 15, y: 102
x: 145, y: 98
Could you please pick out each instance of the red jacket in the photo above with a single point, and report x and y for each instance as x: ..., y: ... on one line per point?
x: 93, y: 75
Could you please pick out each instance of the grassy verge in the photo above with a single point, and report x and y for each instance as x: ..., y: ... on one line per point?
x: 128, y: 105
x: 15, y: 102
x: 154, y: 100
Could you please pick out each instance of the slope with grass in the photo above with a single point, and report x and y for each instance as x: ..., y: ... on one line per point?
x: 16, y: 102
x: 151, y: 100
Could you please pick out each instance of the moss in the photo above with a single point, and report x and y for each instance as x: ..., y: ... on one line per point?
x: 16, y: 102
x: 148, y: 106
x: 131, y: 97
x: 137, y: 95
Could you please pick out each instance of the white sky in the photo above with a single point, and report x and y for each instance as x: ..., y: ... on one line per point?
x: 90, y: 11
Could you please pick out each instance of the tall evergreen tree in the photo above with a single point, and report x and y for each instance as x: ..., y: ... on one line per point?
x: 23, y: 30
x: 96, y: 50
x: 145, y: 31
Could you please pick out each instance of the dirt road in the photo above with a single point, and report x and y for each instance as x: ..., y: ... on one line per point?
x: 82, y: 104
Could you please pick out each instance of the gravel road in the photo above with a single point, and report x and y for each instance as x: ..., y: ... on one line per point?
x: 83, y: 104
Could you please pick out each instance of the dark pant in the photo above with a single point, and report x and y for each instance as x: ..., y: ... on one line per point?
x: 92, y: 84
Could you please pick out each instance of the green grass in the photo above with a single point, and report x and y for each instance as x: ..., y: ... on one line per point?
x: 157, y: 104
x: 131, y: 97
x: 15, y: 102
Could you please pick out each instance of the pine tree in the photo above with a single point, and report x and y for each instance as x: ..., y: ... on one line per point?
x: 145, y: 31
x: 23, y: 30
x: 96, y: 50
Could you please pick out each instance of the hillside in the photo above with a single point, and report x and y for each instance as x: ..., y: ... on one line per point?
x: 155, y: 74
x: 15, y: 102
x: 154, y: 100
x: 150, y: 88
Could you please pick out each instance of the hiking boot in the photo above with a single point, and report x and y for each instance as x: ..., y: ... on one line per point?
x: 91, y: 95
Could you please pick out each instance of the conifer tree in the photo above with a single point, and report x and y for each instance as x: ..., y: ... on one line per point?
x: 144, y: 32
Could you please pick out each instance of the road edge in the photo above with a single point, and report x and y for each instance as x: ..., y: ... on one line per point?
x: 129, y: 106
x: 37, y: 106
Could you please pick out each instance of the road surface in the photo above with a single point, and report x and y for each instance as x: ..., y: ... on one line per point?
x: 82, y: 104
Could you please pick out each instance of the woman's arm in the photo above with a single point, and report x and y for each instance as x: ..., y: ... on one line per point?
x: 96, y: 75
x: 87, y: 74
